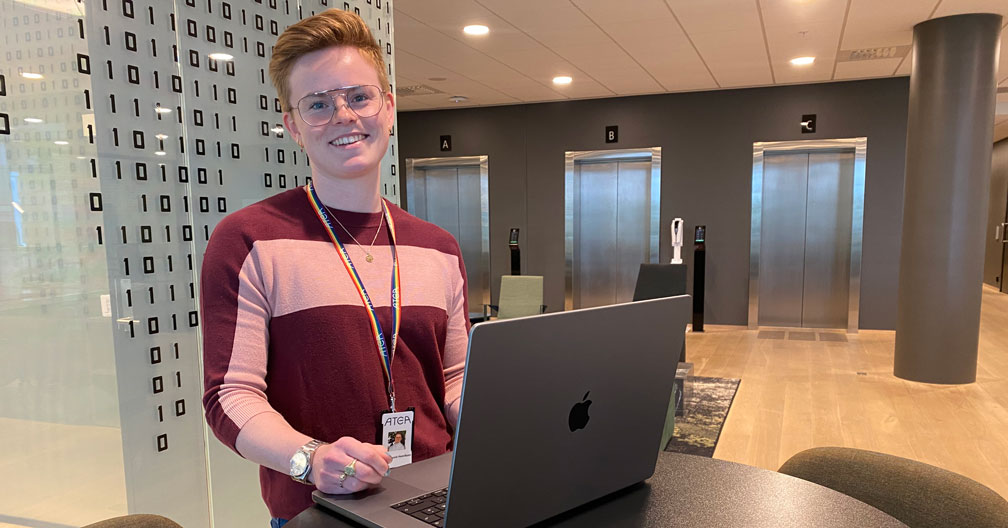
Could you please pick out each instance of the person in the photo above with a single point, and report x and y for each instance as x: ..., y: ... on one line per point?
x: 326, y: 306
x: 397, y: 443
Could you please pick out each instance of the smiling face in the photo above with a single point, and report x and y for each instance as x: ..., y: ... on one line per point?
x: 348, y: 146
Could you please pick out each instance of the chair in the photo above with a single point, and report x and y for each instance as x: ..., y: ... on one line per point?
x: 661, y: 280
x: 520, y: 295
x: 139, y: 520
x: 917, y: 494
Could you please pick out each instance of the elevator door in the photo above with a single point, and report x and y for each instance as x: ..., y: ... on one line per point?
x: 451, y: 198
x: 805, y: 252
x: 612, y: 224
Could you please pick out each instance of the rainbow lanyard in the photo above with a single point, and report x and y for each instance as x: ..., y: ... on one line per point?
x: 383, y: 349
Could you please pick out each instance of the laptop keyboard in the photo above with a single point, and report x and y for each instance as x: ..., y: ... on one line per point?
x: 428, y: 508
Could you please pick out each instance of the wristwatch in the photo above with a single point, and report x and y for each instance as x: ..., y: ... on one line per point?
x: 301, y: 462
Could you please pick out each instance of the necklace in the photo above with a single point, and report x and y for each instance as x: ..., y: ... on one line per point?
x: 367, y: 252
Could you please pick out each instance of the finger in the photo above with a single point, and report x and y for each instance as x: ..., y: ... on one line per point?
x: 373, y: 460
x: 354, y: 484
x: 335, y: 485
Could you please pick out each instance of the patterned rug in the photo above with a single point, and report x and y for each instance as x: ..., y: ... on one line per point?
x: 697, y: 433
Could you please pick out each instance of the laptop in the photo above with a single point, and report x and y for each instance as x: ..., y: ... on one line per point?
x: 557, y: 410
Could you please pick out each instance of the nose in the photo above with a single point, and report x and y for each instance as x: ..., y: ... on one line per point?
x: 342, y: 112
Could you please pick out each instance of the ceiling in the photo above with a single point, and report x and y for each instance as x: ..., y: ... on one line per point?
x: 617, y: 48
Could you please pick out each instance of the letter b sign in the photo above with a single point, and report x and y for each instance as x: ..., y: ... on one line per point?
x: 611, y: 134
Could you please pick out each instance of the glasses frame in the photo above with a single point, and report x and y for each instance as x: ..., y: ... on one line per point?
x: 336, y: 106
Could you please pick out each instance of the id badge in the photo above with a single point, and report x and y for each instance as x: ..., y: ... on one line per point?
x: 397, y: 436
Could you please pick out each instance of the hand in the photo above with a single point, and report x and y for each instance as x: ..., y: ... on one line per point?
x: 330, y: 459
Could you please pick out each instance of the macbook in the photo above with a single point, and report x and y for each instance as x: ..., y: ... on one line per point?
x: 557, y: 410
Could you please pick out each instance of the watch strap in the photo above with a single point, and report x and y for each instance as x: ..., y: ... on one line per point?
x: 309, y: 450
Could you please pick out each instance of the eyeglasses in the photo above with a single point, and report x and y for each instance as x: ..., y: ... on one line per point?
x: 318, y: 108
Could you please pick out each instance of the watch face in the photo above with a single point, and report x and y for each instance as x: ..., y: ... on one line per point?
x: 299, y: 463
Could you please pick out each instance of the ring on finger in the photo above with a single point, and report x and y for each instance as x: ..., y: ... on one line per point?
x: 349, y: 469
x: 342, y: 478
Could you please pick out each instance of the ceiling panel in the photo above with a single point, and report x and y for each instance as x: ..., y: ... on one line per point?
x: 413, y: 67
x: 450, y: 15
x: 820, y: 42
x: 665, y: 53
x: 959, y: 7
x: 728, y: 35
x: 605, y: 12
x: 866, y: 69
x: 905, y: 66
x: 801, y: 29
x: 608, y: 64
x: 736, y: 58
x: 650, y: 34
x: 871, y: 23
x: 537, y: 15
x: 715, y: 15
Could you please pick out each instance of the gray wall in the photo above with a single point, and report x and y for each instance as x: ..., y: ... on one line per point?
x: 996, y: 214
x: 706, y: 140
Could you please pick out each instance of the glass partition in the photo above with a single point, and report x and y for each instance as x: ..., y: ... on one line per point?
x: 122, y: 145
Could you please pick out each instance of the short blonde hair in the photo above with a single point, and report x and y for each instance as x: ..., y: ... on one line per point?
x: 333, y: 27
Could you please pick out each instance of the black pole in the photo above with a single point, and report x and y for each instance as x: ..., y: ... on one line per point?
x: 699, y: 261
x: 515, y: 252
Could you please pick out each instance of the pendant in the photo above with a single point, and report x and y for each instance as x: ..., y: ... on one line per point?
x: 369, y: 258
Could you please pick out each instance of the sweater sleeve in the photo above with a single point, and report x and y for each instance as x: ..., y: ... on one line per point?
x: 456, y: 342
x: 235, y: 314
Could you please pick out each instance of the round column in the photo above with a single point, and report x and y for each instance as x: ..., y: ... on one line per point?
x: 949, y: 141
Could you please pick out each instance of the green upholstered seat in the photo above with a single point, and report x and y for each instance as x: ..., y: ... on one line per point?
x: 520, y: 296
x: 140, y: 520
x: 918, y: 494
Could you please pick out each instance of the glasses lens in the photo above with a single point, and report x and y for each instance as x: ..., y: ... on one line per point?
x: 365, y: 101
x: 317, y: 109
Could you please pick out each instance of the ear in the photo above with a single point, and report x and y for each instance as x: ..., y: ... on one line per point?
x: 291, y: 124
x: 390, y: 102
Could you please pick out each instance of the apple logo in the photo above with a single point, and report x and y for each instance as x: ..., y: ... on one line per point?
x: 578, y: 418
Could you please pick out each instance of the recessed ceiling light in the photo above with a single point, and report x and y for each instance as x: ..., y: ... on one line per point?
x: 802, y: 61
x: 29, y: 75
x: 562, y: 79
x: 81, y: 157
x: 476, y: 30
x: 32, y: 120
x: 221, y: 56
x: 160, y: 153
x: 61, y: 142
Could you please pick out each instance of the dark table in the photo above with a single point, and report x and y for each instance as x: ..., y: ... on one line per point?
x: 688, y: 490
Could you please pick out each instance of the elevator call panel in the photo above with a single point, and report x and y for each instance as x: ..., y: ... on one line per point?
x: 699, y: 233
x: 515, y: 252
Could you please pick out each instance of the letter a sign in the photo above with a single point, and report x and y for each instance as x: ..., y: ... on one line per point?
x: 445, y: 143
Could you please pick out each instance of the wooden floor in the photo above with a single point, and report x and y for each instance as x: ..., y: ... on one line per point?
x: 800, y: 394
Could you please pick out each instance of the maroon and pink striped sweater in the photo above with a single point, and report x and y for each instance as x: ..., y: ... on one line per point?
x: 284, y: 330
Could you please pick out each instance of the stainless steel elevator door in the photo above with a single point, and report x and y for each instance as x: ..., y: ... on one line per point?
x: 450, y: 198
x: 804, y: 275
x: 611, y: 230
x: 782, y: 240
x: 828, y: 239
